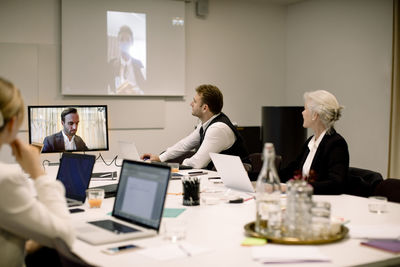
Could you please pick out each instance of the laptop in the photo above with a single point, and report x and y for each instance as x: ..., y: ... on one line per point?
x: 74, y: 172
x: 128, y: 150
x: 138, y: 205
x: 232, y: 172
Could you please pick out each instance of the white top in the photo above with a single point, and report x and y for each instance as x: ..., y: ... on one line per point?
x: 312, y: 146
x: 218, y: 137
x: 69, y: 145
x: 126, y: 71
x: 24, y: 216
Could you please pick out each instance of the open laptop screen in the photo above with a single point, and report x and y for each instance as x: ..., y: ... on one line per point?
x: 74, y: 172
x: 141, y: 193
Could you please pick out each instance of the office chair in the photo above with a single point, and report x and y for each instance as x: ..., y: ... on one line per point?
x: 257, y: 162
x: 389, y: 188
x: 362, y: 182
x: 67, y: 257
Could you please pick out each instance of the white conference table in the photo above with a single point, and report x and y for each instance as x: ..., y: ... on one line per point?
x: 219, y: 229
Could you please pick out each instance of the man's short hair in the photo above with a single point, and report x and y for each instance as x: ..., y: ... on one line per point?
x: 212, y: 96
x: 68, y: 111
x: 125, y: 29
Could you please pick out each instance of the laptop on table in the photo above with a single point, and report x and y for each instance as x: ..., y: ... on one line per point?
x: 138, y: 205
x: 74, y: 172
x: 232, y: 172
x: 128, y: 150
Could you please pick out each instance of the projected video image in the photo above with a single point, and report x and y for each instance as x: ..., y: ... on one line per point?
x: 126, y: 39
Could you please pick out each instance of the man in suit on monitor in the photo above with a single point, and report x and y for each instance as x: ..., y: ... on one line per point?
x: 66, y: 139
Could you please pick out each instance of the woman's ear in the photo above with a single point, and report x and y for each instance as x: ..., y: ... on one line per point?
x: 12, y: 125
x: 314, y: 116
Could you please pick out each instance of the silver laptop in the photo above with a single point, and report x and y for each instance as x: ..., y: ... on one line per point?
x: 74, y: 172
x: 138, y: 205
x: 232, y: 172
x: 128, y: 150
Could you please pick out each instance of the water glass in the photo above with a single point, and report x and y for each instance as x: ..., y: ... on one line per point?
x: 321, y: 219
x: 297, y: 217
x: 174, y: 230
x: 377, y: 204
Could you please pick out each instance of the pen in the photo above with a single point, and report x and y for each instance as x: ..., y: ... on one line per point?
x: 214, y: 178
x: 246, y: 199
x: 184, y: 250
x: 197, y: 173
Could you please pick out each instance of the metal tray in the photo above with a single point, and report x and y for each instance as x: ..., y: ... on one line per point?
x: 249, y: 231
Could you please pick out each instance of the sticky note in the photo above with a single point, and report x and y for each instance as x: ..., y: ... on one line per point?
x: 172, y: 213
x: 253, y: 241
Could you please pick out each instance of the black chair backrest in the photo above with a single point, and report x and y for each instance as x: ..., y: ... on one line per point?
x: 362, y: 182
x: 67, y: 258
x: 389, y: 188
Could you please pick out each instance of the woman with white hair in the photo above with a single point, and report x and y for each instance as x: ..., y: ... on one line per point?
x: 22, y: 215
x: 324, y: 158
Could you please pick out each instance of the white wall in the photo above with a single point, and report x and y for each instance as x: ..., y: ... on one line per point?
x: 239, y: 47
x: 259, y: 53
x: 345, y: 47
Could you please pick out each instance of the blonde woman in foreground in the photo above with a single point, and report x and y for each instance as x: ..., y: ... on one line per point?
x: 24, y: 216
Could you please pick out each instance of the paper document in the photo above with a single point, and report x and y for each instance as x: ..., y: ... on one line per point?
x: 171, y: 251
x: 374, y: 231
x: 288, y: 254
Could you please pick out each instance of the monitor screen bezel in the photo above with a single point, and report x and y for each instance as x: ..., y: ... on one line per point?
x: 30, y: 107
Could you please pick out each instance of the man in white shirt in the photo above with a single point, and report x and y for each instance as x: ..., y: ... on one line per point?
x: 215, y: 133
x: 66, y: 139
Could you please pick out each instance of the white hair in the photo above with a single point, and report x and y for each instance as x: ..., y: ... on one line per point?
x: 325, y: 105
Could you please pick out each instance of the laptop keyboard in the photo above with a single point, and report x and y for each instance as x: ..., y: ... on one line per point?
x: 114, y: 227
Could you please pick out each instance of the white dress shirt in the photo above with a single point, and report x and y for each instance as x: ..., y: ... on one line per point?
x: 217, y: 138
x: 312, y: 146
x: 126, y: 71
x: 69, y: 145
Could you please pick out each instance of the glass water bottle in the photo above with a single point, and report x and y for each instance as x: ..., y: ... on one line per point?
x: 268, y: 193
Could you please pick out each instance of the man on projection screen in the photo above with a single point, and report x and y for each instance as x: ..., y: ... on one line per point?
x: 215, y: 133
x: 126, y: 75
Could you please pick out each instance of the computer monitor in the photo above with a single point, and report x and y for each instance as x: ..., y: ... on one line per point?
x: 69, y: 127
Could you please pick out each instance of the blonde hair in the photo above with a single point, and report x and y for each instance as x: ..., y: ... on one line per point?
x: 11, y: 103
x: 325, y: 105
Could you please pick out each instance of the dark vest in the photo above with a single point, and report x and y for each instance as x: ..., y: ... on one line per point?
x: 237, y: 149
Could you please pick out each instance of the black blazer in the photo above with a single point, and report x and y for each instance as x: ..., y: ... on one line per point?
x: 55, y: 143
x: 330, y: 164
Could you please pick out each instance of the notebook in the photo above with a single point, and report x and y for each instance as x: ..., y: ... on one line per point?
x: 74, y: 172
x: 128, y: 150
x: 232, y: 172
x: 138, y: 205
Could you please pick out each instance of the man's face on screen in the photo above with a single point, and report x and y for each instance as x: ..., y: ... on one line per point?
x: 71, y: 124
x: 125, y: 43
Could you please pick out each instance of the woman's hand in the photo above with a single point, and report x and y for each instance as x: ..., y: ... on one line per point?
x: 28, y: 157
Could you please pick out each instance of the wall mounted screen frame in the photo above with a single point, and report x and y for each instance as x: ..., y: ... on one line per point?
x: 45, y: 121
x: 93, y: 40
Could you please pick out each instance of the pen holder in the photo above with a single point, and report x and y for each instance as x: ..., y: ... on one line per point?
x: 191, y: 191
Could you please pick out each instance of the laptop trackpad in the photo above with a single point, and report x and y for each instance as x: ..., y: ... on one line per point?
x: 114, y: 227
